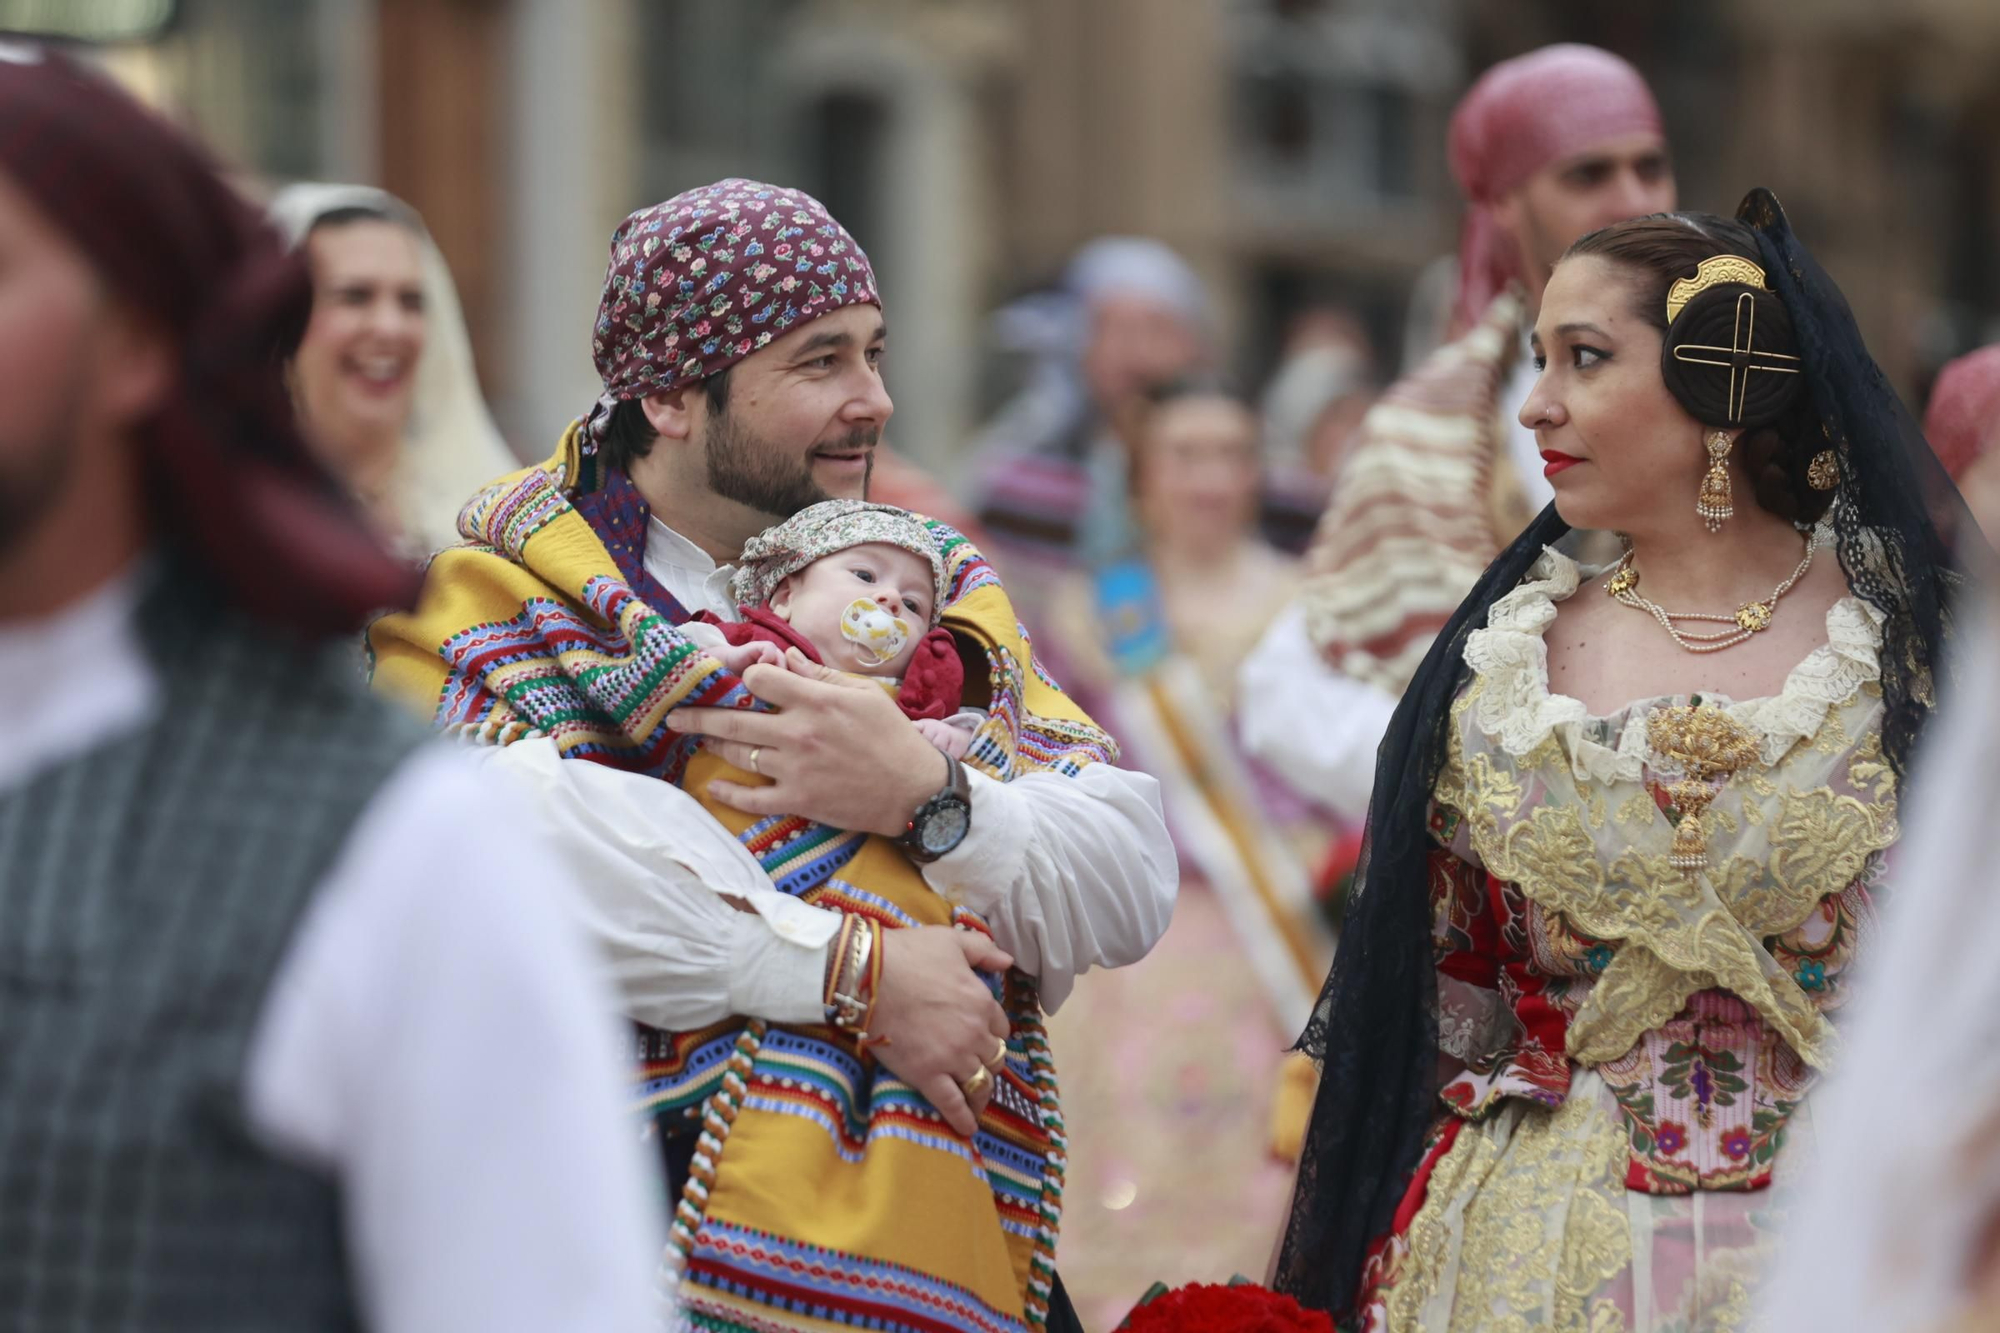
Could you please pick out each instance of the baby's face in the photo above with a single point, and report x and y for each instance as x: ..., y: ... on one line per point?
x: 865, y: 608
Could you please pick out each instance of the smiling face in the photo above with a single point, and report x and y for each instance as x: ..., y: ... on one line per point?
x: 1614, y: 439
x: 803, y: 417
x: 356, y: 368
x: 894, y: 584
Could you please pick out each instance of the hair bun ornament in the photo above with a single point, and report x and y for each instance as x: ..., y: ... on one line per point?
x: 1730, y: 355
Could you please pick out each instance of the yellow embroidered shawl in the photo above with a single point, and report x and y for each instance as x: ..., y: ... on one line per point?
x: 824, y: 1190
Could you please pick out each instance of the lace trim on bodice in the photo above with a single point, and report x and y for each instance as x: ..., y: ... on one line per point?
x: 1518, y: 712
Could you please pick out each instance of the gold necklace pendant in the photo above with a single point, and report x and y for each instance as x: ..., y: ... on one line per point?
x: 1749, y: 619
x: 1705, y: 744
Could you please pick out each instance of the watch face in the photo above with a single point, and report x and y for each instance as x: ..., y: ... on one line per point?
x: 945, y: 826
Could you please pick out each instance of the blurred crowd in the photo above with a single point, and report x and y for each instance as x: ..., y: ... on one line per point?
x: 1235, y: 582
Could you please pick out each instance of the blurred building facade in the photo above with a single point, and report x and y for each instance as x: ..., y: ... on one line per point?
x: 1293, y: 150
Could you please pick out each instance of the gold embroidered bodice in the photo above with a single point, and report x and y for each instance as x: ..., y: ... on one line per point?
x: 1668, y: 894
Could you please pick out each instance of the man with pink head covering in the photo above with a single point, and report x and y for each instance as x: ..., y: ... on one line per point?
x: 1546, y: 148
x: 1963, y: 426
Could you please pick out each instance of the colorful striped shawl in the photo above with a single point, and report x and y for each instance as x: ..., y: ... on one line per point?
x: 825, y: 1193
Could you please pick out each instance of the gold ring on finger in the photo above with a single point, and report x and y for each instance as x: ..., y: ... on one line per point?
x: 982, y: 1078
x: 998, y: 1060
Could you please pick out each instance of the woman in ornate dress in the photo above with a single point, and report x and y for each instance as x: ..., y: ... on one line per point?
x: 1627, y: 833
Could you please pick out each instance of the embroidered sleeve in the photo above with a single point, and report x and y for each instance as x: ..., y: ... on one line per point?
x: 1473, y: 1022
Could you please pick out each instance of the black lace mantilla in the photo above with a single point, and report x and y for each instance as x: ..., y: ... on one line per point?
x: 1374, y: 1030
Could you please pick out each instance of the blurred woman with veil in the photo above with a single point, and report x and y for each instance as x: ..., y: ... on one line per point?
x: 384, y: 379
x: 1182, y: 1109
x: 1626, y: 840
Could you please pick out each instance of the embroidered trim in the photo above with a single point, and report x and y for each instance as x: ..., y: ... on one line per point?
x: 1518, y: 711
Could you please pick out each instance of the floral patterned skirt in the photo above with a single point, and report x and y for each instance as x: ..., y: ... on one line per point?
x: 1524, y: 1221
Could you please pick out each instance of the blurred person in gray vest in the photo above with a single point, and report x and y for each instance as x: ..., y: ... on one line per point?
x: 296, y: 1036
x: 383, y: 378
x: 1441, y: 475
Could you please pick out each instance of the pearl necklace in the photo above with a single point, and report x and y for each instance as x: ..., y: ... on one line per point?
x: 1750, y: 619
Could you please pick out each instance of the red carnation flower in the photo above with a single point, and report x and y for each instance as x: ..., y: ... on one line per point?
x: 1242, y: 1307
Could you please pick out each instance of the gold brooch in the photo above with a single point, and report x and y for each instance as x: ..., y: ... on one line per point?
x: 1823, y: 473
x: 1753, y: 616
x: 1705, y: 744
x: 1623, y: 581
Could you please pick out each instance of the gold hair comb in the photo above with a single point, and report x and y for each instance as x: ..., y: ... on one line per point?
x: 1713, y: 272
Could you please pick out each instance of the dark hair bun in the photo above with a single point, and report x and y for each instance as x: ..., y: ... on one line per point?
x: 1716, y: 385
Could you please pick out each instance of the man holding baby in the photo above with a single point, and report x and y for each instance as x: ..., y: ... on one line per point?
x: 837, y: 899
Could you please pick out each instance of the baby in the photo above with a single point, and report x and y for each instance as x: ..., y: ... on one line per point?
x: 858, y: 587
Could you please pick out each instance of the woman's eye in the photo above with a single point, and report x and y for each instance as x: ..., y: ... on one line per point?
x: 1541, y: 364
x: 1586, y: 357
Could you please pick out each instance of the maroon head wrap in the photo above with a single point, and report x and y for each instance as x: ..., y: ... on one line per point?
x: 1522, y: 115
x: 229, y: 479
x: 703, y: 280
x: 1963, y: 420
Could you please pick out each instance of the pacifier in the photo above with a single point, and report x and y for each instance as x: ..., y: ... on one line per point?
x: 877, y: 633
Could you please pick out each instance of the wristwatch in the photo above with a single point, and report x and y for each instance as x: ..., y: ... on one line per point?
x: 942, y: 822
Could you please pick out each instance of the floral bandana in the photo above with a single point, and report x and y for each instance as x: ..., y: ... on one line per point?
x: 703, y: 280
x: 821, y: 530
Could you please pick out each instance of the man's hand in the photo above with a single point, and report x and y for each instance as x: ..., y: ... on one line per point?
x: 939, y: 1023
x: 838, y: 753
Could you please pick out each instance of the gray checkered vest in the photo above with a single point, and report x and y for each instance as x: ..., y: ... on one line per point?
x: 148, y: 891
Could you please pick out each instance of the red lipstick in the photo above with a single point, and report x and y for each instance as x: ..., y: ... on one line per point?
x: 1556, y: 461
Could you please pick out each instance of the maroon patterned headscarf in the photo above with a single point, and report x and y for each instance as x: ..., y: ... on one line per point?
x: 703, y: 280
x: 1522, y: 115
x: 229, y: 479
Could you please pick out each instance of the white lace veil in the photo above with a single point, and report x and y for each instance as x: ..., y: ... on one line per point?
x: 451, y: 447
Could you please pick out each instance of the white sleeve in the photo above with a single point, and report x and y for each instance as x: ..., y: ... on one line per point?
x: 1317, y: 728
x: 439, y: 1039
x: 653, y: 876
x: 1071, y: 873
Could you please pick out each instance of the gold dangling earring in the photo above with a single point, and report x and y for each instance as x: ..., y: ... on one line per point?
x: 1713, y: 504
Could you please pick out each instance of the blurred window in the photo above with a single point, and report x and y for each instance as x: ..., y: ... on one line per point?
x: 1326, y: 96
x: 704, y: 89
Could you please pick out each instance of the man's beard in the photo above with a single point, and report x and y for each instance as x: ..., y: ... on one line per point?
x: 762, y: 476
x: 31, y: 483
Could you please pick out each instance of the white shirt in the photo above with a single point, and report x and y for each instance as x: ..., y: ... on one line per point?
x: 436, y: 1038
x: 1070, y: 873
x: 1318, y: 728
